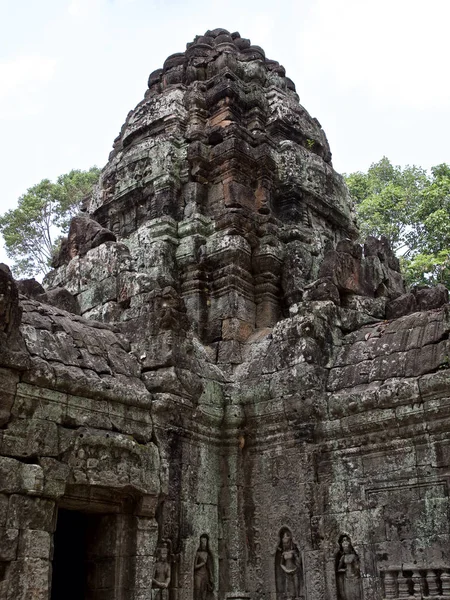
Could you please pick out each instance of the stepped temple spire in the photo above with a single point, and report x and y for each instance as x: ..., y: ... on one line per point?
x: 219, y: 393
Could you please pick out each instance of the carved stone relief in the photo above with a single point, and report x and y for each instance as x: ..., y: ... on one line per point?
x: 203, y: 570
x: 288, y: 567
x: 348, y: 574
x: 162, y: 573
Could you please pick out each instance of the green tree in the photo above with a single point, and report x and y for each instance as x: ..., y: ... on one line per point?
x: 385, y: 198
x: 32, y: 230
x: 412, y: 209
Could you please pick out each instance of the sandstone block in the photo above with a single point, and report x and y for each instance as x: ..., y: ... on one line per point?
x: 430, y: 298
x: 25, y: 512
x: 8, y: 544
x: 34, y: 544
x: 322, y: 289
x: 236, y: 329
x: 84, y: 234
x: 229, y: 352
x: 61, y: 298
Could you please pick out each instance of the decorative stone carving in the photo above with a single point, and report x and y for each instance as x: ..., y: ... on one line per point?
x: 161, y: 573
x: 445, y: 583
x: 390, y: 584
x: 432, y: 582
x: 403, y: 586
x: 288, y: 567
x: 408, y: 582
x: 203, y: 570
x: 417, y: 580
x: 348, y: 575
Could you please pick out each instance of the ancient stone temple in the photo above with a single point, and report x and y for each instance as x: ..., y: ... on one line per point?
x: 218, y: 394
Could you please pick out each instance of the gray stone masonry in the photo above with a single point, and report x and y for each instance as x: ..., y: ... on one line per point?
x: 218, y: 393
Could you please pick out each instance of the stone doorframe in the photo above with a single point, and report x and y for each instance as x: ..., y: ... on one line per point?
x: 127, y: 537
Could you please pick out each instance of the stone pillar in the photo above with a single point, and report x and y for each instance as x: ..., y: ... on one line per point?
x: 232, y: 583
x: 146, y: 541
x: 267, y: 262
x: 232, y: 291
x: 432, y: 582
x: 403, y: 591
x: 193, y: 273
x: 417, y: 584
x: 26, y: 548
x: 165, y: 201
x: 445, y: 581
x: 390, y: 585
x: 146, y: 532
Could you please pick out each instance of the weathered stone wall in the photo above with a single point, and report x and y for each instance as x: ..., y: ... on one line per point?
x: 217, y: 381
x: 361, y: 451
x: 77, y: 432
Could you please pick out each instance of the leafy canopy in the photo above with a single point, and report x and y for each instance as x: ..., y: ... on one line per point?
x: 412, y: 209
x: 32, y: 230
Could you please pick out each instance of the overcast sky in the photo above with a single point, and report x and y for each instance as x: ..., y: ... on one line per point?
x: 374, y: 72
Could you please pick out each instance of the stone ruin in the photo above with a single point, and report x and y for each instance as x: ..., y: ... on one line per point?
x: 218, y: 393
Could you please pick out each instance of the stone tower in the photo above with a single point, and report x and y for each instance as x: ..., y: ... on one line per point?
x: 219, y: 393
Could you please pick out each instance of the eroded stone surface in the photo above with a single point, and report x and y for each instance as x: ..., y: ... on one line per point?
x: 249, y: 403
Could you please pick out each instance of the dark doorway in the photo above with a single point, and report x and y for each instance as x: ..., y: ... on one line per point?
x: 69, y: 579
x: 86, y: 547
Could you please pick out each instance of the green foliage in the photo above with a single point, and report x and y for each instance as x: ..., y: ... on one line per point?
x: 33, y: 229
x: 412, y: 209
x: 428, y: 269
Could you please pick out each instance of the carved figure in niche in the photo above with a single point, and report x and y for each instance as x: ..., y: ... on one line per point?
x: 288, y: 568
x: 203, y: 570
x: 348, y: 574
x: 161, y: 573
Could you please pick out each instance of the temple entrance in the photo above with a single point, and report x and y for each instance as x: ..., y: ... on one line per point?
x: 94, y: 545
x: 69, y: 578
x: 85, y: 558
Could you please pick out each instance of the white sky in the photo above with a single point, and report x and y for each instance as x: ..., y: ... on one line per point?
x: 374, y: 72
